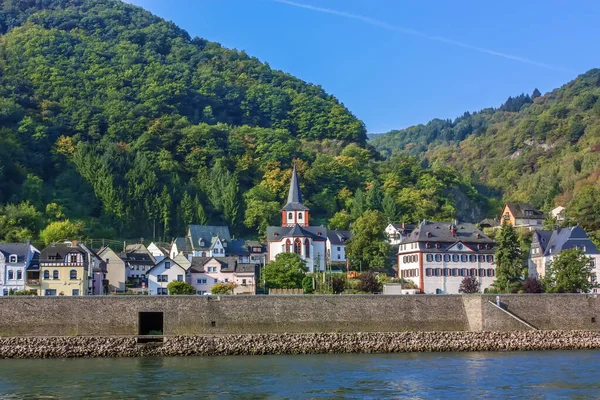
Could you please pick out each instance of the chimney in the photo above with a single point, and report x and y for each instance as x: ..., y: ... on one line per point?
x: 74, y: 243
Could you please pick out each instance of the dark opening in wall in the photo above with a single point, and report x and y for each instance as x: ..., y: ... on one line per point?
x: 150, y: 323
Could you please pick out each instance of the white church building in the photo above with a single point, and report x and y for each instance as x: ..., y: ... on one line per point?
x: 296, y: 235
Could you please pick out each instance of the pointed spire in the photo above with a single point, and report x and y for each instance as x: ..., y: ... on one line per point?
x: 294, y: 195
x: 294, y: 201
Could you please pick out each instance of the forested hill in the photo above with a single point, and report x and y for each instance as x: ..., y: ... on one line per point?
x: 534, y: 148
x: 116, y: 118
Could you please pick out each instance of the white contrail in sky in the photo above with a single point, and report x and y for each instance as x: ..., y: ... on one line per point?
x: 414, y: 32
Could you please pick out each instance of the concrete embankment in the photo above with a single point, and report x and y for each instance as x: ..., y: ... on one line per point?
x: 262, y: 344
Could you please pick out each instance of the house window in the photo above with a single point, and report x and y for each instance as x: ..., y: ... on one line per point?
x: 491, y: 272
x: 226, y: 280
x: 180, y: 278
x: 19, y: 274
x: 463, y: 272
x: 12, y: 259
x: 438, y: 257
x: 167, y: 265
x: 490, y: 259
x: 50, y: 292
x: 307, y: 248
x: 290, y: 216
x: 297, y: 246
x: 162, y: 278
x: 463, y: 258
x: 481, y: 258
x: 73, y: 274
x: 75, y: 292
x: 162, y: 291
x: 472, y: 258
x: 454, y: 271
x: 288, y: 244
x: 454, y: 257
x: 446, y: 272
x: 447, y: 257
x: 11, y: 275
x: 472, y: 272
x: 55, y: 274
x: 299, y: 215
x: 108, y: 261
x: 46, y: 274
x: 482, y: 272
x: 429, y: 258
x: 427, y: 271
x: 339, y: 257
x: 216, y: 281
x: 73, y: 258
x: 438, y: 272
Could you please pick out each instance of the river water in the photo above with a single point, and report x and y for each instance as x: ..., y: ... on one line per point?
x: 531, y: 375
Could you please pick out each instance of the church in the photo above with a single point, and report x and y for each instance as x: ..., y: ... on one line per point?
x: 295, y: 234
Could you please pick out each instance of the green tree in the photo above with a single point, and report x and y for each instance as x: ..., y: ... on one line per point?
x: 358, y: 204
x: 307, y: 284
x: 368, y: 247
x: 179, y: 288
x: 201, y: 217
x: 374, y: 197
x: 60, y: 231
x: 569, y: 272
x: 164, y: 204
x: 286, y: 272
x: 186, y: 208
x: 390, y: 208
x: 509, y: 260
x: 341, y: 220
x: 469, y: 284
x: 33, y: 190
x: 19, y: 222
x: 261, y: 214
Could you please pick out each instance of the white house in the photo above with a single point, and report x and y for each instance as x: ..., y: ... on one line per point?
x: 545, y: 245
x: 205, y: 272
x: 158, y: 250
x: 336, y: 247
x: 15, y: 258
x: 437, y: 256
x: 558, y: 213
x: 397, y: 233
x: 202, y: 241
x: 161, y: 274
x: 295, y: 234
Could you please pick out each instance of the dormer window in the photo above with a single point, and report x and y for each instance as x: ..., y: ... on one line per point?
x: 290, y: 216
x: 299, y: 215
x: 438, y: 245
x: 12, y: 258
x: 201, y: 243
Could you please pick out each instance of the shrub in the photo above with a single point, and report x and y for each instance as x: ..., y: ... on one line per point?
x: 469, y: 285
x: 532, y: 285
x: 338, y: 284
x: 222, y: 288
x: 368, y: 282
x: 307, y: 284
x: 178, y: 288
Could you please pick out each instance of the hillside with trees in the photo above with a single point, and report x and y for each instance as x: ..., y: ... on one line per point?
x: 542, y: 149
x: 115, y: 123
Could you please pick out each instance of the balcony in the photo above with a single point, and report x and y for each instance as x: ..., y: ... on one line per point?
x: 33, y: 282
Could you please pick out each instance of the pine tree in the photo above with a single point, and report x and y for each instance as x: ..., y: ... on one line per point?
x: 374, y: 197
x: 230, y: 202
x: 187, y: 210
x: 164, y: 205
x: 390, y: 208
x: 358, y: 204
x: 509, y: 259
x: 201, y: 217
x: 536, y: 93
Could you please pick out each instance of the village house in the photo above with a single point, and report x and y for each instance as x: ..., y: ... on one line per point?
x: 545, y: 245
x: 336, y: 248
x: 437, y: 256
x: 15, y: 258
x: 161, y: 274
x: 138, y: 261
x: 159, y: 250
x: 558, y: 213
x: 295, y: 235
x: 396, y: 233
x: 116, y: 270
x: 205, y: 272
x: 523, y: 215
x: 202, y: 241
x: 68, y: 269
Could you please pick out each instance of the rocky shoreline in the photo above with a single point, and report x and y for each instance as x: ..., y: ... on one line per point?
x: 318, y: 343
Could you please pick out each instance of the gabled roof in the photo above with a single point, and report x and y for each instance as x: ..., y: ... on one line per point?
x: 228, y: 264
x: 403, y: 227
x: 490, y: 222
x: 294, y: 200
x: 543, y: 239
x: 206, y: 233
x: 448, y: 232
x: 162, y: 262
x: 60, y: 250
x: 569, y: 238
x: 338, y: 237
x: 19, y: 249
x: 276, y: 233
x: 237, y: 247
x: 519, y: 210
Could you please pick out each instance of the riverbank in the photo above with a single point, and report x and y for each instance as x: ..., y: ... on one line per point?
x: 318, y: 343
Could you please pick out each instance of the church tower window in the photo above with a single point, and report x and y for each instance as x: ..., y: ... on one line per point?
x: 297, y: 246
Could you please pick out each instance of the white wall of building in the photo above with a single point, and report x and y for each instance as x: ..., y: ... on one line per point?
x: 316, y: 257
x: 169, y: 269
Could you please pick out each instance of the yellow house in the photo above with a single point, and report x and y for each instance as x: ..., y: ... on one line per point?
x: 68, y: 269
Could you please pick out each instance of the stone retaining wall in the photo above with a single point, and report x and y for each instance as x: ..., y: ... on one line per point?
x: 262, y: 344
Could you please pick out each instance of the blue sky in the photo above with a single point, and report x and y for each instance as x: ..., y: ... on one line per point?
x: 397, y: 63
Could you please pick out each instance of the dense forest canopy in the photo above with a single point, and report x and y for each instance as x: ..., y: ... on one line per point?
x: 117, y: 118
x: 539, y: 149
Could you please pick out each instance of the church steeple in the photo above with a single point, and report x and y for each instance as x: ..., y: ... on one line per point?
x: 294, y: 212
